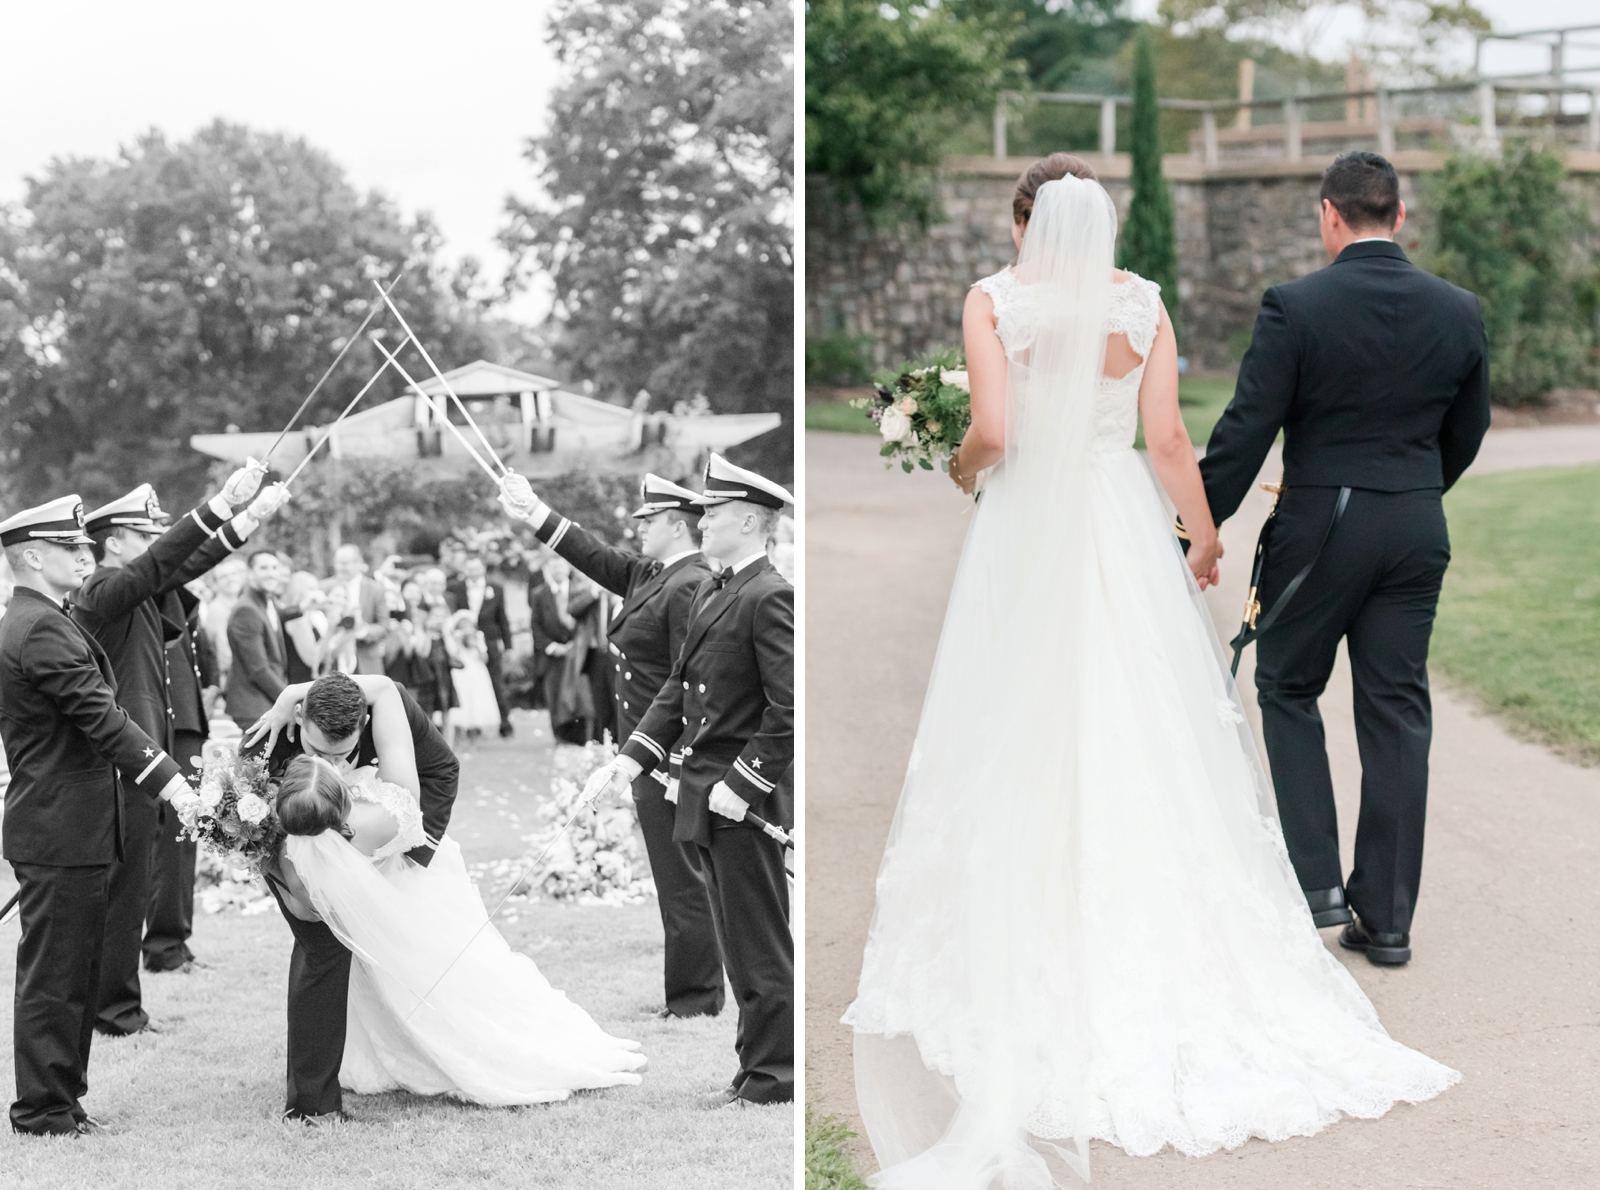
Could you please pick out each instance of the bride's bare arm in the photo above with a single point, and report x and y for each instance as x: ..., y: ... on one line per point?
x: 985, y: 442
x: 1172, y: 454
x: 391, y: 737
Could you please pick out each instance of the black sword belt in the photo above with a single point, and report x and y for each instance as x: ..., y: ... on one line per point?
x: 1255, y: 623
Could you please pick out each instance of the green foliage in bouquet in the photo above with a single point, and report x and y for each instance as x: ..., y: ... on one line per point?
x: 1509, y: 232
x: 922, y: 409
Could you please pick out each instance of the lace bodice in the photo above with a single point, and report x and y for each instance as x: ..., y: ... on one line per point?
x: 1135, y: 312
x: 365, y: 786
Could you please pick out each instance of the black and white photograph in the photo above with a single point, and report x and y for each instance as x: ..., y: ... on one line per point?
x: 1202, y: 482
x: 398, y: 607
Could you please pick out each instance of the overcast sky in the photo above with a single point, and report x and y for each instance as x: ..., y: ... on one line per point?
x: 429, y: 103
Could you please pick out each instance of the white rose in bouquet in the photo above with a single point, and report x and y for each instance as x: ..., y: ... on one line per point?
x: 894, y: 425
x: 210, y: 794
x: 907, y: 406
x: 252, y: 809
x: 957, y: 379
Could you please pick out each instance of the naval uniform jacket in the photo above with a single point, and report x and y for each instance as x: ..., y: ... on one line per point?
x: 192, y: 666
x: 729, y: 702
x: 71, y: 748
x: 1377, y: 373
x: 122, y: 609
x: 648, y: 629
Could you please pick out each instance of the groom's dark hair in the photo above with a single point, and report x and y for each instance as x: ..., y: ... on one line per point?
x: 336, y: 705
x: 1364, y: 189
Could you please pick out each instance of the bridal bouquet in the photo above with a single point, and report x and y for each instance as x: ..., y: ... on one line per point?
x: 232, y: 812
x: 922, y: 409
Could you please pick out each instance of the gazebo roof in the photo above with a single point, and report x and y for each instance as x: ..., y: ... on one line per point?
x: 483, y: 379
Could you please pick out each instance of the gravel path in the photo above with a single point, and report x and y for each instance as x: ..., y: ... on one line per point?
x: 1505, y: 985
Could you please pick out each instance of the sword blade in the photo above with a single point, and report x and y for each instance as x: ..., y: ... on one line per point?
x: 316, y: 388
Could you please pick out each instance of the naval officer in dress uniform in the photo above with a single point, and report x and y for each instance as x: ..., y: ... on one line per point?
x: 645, y: 636
x: 728, y: 709
x: 74, y: 754
x: 140, y: 565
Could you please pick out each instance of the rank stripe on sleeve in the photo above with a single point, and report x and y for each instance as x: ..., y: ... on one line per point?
x: 752, y: 776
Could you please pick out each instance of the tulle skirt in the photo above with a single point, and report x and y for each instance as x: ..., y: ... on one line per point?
x: 1120, y: 953
x: 493, y: 1030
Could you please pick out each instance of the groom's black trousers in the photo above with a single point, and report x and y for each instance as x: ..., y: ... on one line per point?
x: 319, y: 994
x: 1376, y: 585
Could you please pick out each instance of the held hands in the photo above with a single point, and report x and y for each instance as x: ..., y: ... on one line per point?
x: 1202, y: 559
x: 726, y: 802
x: 242, y: 484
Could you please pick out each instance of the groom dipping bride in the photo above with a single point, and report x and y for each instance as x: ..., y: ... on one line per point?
x: 432, y: 1000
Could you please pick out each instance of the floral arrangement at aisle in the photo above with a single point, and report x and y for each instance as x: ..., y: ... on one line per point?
x: 598, y: 859
x: 923, y: 409
x: 219, y: 885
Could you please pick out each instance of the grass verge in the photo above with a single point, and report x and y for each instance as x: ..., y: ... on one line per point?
x: 1519, y: 617
x: 828, y: 1163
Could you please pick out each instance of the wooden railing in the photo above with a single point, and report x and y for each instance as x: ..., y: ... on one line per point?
x: 1475, y: 104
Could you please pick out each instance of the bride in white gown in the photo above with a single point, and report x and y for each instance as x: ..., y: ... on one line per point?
x: 492, y: 1030
x: 1087, y: 925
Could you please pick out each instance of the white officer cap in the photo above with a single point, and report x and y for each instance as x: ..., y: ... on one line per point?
x: 139, y: 509
x: 725, y: 482
x: 59, y: 522
x: 662, y: 495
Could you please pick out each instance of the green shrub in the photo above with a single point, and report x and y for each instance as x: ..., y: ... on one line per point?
x: 838, y: 359
x: 1506, y: 230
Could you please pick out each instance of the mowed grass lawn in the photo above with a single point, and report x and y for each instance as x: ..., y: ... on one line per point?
x: 198, y: 1105
x: 1519, y: 618
x: 1201, y: 399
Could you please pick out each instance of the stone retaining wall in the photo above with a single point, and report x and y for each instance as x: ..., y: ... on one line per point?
x: 1241, y: 229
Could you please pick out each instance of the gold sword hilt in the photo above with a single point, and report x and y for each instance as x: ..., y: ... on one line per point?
x: 1252, y: 608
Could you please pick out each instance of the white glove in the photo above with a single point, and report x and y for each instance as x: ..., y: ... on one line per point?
x: 612, y: 778
x: 242, y: 484
x: 176, y: 788
x: 519, y: 502
x: 672, y: 790
x: 726, y: 802
x: 264, y: 505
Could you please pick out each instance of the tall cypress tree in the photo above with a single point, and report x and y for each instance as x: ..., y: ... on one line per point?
x: 1149, y: 243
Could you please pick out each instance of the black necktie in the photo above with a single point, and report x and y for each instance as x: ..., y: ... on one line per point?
x: 722, y: 576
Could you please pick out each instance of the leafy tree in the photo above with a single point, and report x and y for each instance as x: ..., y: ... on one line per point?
x: 1506, y: 230
x: 888, y: 84
x: 181, y: 288
x: 1148, y: 244
x: 667, y: 228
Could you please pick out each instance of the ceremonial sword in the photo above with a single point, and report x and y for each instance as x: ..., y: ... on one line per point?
x: 373, y: 309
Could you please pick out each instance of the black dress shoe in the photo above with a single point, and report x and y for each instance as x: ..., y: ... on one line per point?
x: 1328, y: 907
x: 507, y: 731
x: 1386, y: 950
x: 326, y: 1119
x: 721, y: 1098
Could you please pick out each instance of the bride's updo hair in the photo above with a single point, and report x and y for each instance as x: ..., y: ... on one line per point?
x: 1046, y: 169
x: 312, y: 798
